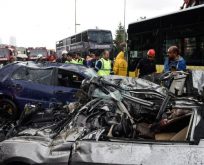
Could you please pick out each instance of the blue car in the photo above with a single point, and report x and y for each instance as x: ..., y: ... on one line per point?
x: 28, y: 82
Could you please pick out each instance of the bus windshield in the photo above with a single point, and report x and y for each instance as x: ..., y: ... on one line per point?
x: 4, y: 52
x: 100, y: 37
x: 35, y: 52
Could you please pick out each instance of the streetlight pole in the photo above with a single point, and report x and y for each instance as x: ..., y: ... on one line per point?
x: 124, y: 20
x: 76, y: 17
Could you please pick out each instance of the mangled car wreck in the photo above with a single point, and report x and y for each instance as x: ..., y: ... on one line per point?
x: 116, y: 120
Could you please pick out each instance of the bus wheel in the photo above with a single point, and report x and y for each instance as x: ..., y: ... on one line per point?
x: 8, y: 109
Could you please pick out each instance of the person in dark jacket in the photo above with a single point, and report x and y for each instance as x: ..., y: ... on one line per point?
x: 147, y: 65
x: 92, y: 61
x: 64, y: 57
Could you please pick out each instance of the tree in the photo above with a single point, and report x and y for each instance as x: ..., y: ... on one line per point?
x: 120, y: 36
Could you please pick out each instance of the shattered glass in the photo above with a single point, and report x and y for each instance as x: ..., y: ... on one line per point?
x: 42, y: 76
x: 112, y: 109
x: 198, y: 80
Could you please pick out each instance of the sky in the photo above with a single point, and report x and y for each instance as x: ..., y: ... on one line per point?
x: 37, y: 23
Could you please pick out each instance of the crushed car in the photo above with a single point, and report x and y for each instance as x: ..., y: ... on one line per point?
x: 116, y: 120
x: 28, y: 82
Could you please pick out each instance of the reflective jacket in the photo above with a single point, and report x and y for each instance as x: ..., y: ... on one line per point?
x: 71, y: 62
x: 80, y: 61
x: 105, y: 68
x: 120, y: 65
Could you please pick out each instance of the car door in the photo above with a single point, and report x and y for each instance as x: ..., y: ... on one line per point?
x: 30, y: 85
x: 184, y: 149
x: 67, y: 84
x: 136, y: 153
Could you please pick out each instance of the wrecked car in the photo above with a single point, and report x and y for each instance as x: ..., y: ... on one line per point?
x: 115, y: 121
x: 28, y: 82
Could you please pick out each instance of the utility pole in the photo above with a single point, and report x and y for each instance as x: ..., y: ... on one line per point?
x: 76, y: 17
x: 124, y: 20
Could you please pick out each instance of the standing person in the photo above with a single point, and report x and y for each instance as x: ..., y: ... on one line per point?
x: 80, y: 60
x: 147, y: 65
x: 64, y: 57
x: 69, y: 59
x: 174, y: 62
x: 104, y: 65
x: 120, y: 64
x: 73, y: 58
x: 88, y: 58
x: 92, y: 62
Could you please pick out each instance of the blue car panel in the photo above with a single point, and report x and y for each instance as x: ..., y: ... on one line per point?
x: 28, y: 82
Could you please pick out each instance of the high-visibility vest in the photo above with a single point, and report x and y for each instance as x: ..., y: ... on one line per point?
x: 73, y: 62
x: 105, y: 68
x: 80, y: 61
x: 67, y: 62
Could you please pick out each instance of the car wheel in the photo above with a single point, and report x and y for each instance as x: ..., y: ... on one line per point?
x: 8, y: 109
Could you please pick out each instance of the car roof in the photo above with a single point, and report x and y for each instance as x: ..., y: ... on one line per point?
x: 48, y: 65
x: 79, y: 69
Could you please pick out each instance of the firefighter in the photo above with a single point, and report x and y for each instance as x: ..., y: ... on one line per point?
x: 104, y: 65
x: 174, y: 62
x: 147, y: 66
x: 120, y: 64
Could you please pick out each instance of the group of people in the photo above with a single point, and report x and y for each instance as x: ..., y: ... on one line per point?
x: 146, y: 66
x: 174, y: 62
x: 103, y: 66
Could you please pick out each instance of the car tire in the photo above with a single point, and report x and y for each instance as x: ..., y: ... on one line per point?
x: 8, y: 108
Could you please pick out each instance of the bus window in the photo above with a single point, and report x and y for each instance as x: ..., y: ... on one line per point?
x: 168, y: 43
x: 202, y: 49
x: 202, y: 43
x: 61, y: 43
x: 73, y: 40
x: 133, y: 54
x: 138, y: 54
x: 68, y: 41
x: 93, y: 36
x: 64, y: 42
x: 85, y: 37
x: 78, y: 37
x: 190, y: 49
x: 107, y: 37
